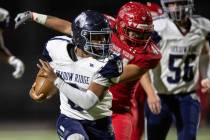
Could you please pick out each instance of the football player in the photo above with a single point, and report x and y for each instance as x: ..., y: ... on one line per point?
x: 140, y: 94
x: 5, y: 54
x: 182, y: 42
x: 131, y: 37
x: 77, y: 62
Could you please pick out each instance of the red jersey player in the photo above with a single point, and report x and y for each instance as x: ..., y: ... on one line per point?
x: 132, y: 17
x: 131, y: 37
x: 140, y: 94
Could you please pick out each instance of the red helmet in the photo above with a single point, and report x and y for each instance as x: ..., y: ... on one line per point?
x: 134, y: 24
x: 154, y: 8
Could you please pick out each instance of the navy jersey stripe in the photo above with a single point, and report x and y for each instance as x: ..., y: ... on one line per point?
x: 46, y: 56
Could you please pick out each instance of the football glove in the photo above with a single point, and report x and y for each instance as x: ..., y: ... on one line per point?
x: 113, y: 68
x: 110, y: 73
x: 18, y: 65
x: 22, y: 18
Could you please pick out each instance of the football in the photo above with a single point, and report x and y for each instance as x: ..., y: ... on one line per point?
x: 43, y: 85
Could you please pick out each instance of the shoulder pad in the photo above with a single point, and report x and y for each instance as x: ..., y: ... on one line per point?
x: 57, y: 49
x: 160, y: 17
x: 201, y: 22
x: 160, y: 23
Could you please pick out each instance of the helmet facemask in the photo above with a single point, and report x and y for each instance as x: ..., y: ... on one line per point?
x: 92, y: 34
x: 135, y: 36
x: 134, y: 24
x: 97, y: 43
x: 182, y: 11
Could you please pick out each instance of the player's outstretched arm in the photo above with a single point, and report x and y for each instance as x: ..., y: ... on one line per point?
x: 7, y: 57
x: 48, y: 21
x: 131, y: 72
x: 153, y: 99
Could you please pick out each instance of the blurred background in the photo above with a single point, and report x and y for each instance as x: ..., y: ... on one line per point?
x: 20, y: 117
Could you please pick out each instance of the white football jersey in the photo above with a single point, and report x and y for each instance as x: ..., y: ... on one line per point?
x: 178, y: 69
x: 79, y: 75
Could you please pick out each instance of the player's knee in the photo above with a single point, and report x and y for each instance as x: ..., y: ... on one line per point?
x: 75, y: 136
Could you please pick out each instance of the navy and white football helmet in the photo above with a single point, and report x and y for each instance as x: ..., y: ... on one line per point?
x: 90, y: 25
x: 184, y: 8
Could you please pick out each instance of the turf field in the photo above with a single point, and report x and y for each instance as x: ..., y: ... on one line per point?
x: 204, y: 134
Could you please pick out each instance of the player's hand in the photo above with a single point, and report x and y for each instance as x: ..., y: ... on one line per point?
x: 205, y: 83
x: 48, y: 70
x: 18, y: 65
x: 154, y: 104
x: 22, y: 18
x: 34, y: 95
x: 113, y: 68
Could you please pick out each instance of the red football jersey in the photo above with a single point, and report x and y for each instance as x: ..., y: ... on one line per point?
x: 145, y: 57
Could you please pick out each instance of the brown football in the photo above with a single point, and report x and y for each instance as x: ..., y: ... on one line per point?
x: 43, y: 85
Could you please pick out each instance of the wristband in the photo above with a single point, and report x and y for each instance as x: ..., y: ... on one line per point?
x: 39, y: 18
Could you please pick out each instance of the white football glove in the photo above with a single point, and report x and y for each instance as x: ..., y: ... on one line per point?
x: 18, y: 65
x: 22, y: 18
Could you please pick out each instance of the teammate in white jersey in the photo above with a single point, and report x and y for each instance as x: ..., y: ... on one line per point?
x: 78, y: 62
x: 5, y: 54
x: 182, y: 40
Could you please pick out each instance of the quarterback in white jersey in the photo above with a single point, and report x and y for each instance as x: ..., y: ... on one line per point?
x: 79, y: 62
x: 78, y: 74
x: 182, y: 40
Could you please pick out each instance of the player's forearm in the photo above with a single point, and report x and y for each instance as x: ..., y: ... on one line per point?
x: 52, y: 22
x: 59, y: 25
x: 84, y: 99
x: 147, y: 85
x: 131, y: 72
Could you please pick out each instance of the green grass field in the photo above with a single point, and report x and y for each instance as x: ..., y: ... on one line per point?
x: 203, y: 134
x: 29, y: 135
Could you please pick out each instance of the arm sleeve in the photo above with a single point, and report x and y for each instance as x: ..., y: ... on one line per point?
x: 84, y: 99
